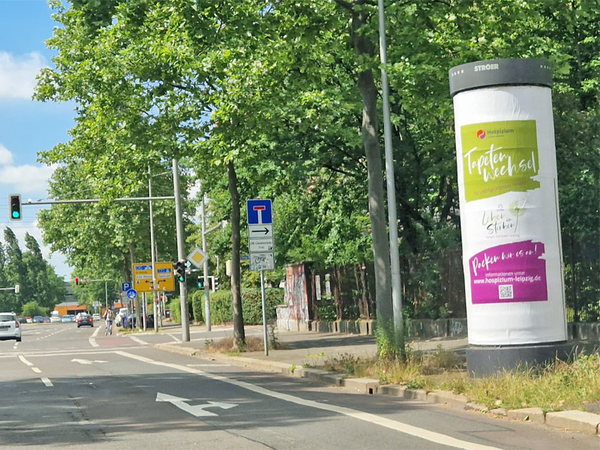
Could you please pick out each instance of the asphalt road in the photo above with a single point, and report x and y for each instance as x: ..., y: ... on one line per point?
x: 62, y: 386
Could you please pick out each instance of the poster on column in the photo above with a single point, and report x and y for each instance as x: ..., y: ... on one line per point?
x: 500, y: 162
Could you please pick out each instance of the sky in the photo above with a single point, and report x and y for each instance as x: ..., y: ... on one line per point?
x: 26, y: 126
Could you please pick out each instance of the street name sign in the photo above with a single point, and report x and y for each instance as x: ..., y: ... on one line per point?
x: 260, y: 234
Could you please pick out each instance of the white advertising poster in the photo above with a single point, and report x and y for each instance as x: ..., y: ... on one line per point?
x: 506, y: 162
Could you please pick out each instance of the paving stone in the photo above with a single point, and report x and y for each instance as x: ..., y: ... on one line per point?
x: 526, y: 414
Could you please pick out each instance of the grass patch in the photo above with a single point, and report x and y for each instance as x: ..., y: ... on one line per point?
x: 558, y: 386
x: 253, y: 344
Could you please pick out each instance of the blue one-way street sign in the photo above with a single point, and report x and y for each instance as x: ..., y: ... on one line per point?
x: 259, y: 212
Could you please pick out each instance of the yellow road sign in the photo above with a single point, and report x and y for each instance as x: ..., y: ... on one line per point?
x: 142, y: 277
x: 197, y: 257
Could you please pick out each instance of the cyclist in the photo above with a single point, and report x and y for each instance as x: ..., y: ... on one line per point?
x: 109, y: 316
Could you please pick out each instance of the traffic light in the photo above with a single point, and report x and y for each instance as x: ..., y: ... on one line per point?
x: 216, y: 282
x: 200, y: 281
x: 14, y: 207
x: 180, y: 271
x: 77, y: 281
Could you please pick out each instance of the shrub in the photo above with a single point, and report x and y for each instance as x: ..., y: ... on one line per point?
x: 221, y: 305
x: 197, y: 305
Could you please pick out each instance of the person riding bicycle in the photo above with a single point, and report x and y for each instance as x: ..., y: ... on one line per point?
x: 109, y: 315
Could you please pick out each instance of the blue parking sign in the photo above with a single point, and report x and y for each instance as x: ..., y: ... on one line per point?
x: 125, y: 286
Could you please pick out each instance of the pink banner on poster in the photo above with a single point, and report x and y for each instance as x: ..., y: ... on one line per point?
x: 507, y: 273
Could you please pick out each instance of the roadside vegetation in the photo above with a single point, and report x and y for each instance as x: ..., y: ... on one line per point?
x: 558, y: 386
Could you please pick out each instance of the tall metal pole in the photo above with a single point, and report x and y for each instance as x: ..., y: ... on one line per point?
x: 185, y: 321
x: 264, y: 311
x: 154, y: 280
x: 391, y: 185
x: 206, y: 292
x: 105, y: 295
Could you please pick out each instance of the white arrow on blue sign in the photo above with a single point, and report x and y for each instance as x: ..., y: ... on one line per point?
x: 259, y: 212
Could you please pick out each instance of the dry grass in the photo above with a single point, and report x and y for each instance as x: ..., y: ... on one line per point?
x: 253, y: 344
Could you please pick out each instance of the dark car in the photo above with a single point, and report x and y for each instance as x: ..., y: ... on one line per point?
x: 84, y: 319
x: 38, y: 319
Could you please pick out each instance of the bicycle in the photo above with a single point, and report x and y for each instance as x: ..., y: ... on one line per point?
x: 108, y: 328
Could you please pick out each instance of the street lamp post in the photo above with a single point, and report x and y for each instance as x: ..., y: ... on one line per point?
x: 391, y: 185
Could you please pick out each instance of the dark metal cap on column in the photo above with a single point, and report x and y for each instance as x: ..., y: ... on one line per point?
x: 500, y: 72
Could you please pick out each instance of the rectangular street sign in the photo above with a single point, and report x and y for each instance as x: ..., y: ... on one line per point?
x: 259, y: 212
x: 142, y: 277
x: 260, y: 231
x: 261, y: 245
x: 262, y: 261
x: 125, y: 286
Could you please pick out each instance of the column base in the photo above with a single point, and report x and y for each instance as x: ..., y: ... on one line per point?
x: 487, y: 360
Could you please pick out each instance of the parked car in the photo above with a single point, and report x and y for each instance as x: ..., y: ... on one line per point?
x: 66, y: 318
x: 22, y: 319
x: 10, y: 328
x: 84, y: 319
x: 28, y: 319
x: 55, y: 319
x: 38, y: 319
x: 96, y: 317
x: 46, y: 319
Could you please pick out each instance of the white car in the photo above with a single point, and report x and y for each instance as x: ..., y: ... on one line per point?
x: 54, y: 319
x: 10, y: 328
x: 96, y: 317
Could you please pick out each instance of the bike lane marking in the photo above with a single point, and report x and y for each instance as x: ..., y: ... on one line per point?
x: 45, y: 380
x: 92, y: 338
x: 411, y: 430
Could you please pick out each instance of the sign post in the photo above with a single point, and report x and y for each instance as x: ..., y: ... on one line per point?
x: 260, y: 239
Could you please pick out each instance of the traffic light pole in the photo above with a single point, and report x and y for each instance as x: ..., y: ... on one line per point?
x: 185, y: 320
x: 154, y: 283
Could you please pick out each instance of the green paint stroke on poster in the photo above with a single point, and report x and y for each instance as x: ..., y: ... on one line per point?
x: 499, y: 157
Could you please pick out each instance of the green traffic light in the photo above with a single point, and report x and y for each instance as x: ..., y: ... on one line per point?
x: 16, y: 215
x: 181, y: 279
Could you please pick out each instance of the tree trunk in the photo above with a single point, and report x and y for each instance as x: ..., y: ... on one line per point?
x: 370, y: 135
x: 239, y: 336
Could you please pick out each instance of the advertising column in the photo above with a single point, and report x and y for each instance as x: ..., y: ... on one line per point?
x: 506, y: 161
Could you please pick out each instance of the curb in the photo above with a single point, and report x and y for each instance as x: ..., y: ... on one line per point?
x: 579, y: 421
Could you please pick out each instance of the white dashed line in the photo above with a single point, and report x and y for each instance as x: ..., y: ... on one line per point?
x: 92, y: 339
x: 36, y: 370
x: 22, y: 358
x: 47, y: 382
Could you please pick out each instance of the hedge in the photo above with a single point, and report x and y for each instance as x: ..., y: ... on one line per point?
x: 221, y: 308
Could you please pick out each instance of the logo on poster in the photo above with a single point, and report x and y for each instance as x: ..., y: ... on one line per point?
x: 481, y: 134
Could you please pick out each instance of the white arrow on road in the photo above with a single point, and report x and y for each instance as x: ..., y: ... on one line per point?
x: 194, y: 410
x: 86, y: 362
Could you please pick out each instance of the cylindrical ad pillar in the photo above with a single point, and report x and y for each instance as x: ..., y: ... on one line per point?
x: 506, y: 161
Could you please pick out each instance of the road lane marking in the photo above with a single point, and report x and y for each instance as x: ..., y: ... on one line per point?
x: 22, y: 358
x: 36, y: 370
x: 176, y: 339
x: 194, y: 410
x: 138, y: 340
x: 92, y: 338
x: 47, y: 382
x: 208, y: 365
x: 366, y: 417
x: 86, y: 362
